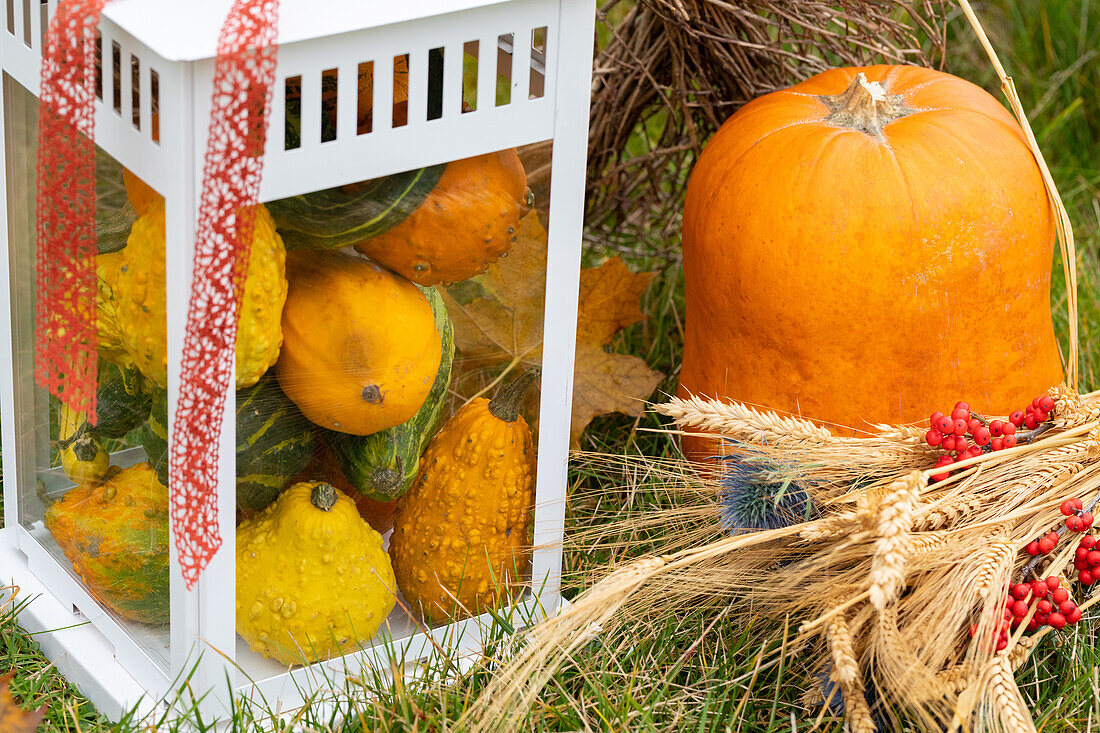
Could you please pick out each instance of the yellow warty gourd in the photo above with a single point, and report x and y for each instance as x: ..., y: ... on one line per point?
x: 460, y: 535
x: 140, y: 299
x: 107, y: 332
x: 312, y: 578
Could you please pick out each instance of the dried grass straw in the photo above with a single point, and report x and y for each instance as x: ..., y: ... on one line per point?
x: 885, y: 581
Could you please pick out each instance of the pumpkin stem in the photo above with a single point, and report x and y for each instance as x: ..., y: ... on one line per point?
x: 505, y: 404
x: 865, y: 106
x: 323, y: 496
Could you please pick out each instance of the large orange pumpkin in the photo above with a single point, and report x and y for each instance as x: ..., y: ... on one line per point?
x: 869, y: 246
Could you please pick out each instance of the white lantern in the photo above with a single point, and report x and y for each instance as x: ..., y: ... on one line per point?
x: 482, y: 77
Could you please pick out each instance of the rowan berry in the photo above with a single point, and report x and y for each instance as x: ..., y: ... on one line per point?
x: 960, y: 414
x: 1016, y: 418
x: 1046, y: 545
x: 1032, y: 548
x: 1086, y: 577
x: 1060, y: 595
x: 1010, y: 441
x: 1057, y: 620
x: 933, y: 438
x: 1046, y: 403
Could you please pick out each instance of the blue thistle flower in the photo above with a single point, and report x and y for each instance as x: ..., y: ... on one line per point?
x: 753, y: 498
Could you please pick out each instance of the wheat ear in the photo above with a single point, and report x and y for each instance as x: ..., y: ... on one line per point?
x: 740, y: 422
x: 847, y: 674
x: 1007, y: 703
x: 894, y: 541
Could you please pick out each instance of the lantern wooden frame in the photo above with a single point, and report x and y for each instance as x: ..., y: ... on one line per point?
x: 172, y: 44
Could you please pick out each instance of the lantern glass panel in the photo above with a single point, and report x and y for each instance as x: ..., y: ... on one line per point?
x: 390, y: 326
x: 88, y: 497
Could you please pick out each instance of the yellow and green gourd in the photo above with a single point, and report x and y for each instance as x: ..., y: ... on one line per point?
x: 312, y: 578
x: 460, y: 535
x: 115, y: 534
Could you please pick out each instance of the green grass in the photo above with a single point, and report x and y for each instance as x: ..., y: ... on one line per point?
x: 700, y: 673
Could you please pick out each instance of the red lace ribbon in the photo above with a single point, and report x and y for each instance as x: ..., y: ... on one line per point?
x: 243, y: 78
x: 65, y: 276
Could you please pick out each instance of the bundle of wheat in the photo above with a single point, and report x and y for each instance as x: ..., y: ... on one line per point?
x: 919, y: 583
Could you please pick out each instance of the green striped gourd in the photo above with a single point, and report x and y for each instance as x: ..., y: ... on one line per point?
x: 274, y: 441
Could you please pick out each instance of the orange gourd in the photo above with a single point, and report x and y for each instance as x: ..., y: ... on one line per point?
x: 460, y: 539
x: 869, y: 246
x: 466, y: 222
x: 360, y: 345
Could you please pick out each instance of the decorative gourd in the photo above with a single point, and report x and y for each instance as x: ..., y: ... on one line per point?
x: 339, y: 217
x: 115, y: 534
x: 154, y: 435
x: 312, y: 578
x: 140, y: 299
x: 462, y: 530
x: 83, y: 458
x: 324, y: 467
x: 123, y: 400
x: 108, y: 334
x: 466, y: 222
x: 382, y: 465
x: 274, y: 441
x: 361, y: 349
x: 865, y: 247
x: 122, y: 403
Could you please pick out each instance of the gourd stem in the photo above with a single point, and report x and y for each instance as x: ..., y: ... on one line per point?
x: 323, y: 496
x: 505, y: 404
x: 865, y: 106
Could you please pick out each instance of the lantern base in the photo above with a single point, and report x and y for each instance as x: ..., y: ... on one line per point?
x: 79, y: 651
x: 88, y: 660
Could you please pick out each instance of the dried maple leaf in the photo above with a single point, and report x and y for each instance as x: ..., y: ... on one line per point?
x: 14, y: 719
x: 498, y: 321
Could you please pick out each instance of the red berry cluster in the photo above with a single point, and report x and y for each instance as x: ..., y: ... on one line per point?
x: 1087, y: 560
x: 1077, y: 519
x: 1043, y: 545
x: 968, y: 435
x: 1053, y: 607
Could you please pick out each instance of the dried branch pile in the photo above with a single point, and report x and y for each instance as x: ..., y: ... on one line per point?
x: 672, y: 71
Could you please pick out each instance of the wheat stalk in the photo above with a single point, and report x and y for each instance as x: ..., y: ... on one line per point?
x: 894, y: 542
x: 954, y: 680
x: 845, y: 667
x: 1005, y: 700
x: 740, y: 422
x: 993, y: 562
x: 947, y: 513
